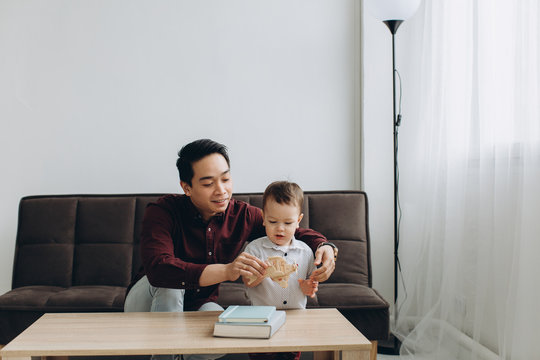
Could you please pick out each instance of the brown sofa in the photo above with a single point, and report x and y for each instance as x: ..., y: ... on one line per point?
x: 77, y: 253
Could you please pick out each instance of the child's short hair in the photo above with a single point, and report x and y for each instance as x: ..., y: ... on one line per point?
x: 284, y: 192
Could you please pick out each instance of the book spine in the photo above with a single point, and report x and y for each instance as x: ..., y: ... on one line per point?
x: 224, y: 315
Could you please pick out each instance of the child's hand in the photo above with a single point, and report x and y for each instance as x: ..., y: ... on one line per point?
x: 309, y: 287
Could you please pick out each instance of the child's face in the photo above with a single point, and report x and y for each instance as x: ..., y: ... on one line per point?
x: 281, y: 221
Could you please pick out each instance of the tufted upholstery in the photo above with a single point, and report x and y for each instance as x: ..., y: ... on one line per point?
x: 77, y: 253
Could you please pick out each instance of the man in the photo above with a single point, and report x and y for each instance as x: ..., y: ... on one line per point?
x: 191, y: 243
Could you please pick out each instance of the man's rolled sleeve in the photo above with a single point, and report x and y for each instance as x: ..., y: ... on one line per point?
x: 193, y: 274
x: 162, y: 267
x: 311, y: 237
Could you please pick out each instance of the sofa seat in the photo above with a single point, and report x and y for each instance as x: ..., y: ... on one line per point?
x: 59, y: 299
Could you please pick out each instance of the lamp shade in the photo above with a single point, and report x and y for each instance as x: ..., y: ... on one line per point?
x: 392, y: 9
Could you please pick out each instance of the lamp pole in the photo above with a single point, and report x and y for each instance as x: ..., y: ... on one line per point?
x: 393, y: 13
x: 393, y: 26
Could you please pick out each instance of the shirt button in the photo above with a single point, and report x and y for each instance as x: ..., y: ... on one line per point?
x: 285, y: 302
x: 183, y: 283
x: 198, y: 290
x: 209, y: 229
x: 210, y: 253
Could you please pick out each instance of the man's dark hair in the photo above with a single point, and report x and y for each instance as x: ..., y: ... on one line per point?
x: 284, y: 192
x: 195, y: 151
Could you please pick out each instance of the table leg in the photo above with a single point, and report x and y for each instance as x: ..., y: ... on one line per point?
x: 374, y: 347
x: 354, y: 355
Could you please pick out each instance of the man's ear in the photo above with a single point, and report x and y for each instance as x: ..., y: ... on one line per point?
x: 300, y: 217
x: 185, y: 186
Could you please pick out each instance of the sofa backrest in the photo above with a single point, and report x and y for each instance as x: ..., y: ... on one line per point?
x: 68, y: 240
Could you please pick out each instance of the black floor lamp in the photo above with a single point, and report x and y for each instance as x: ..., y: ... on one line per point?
x: 392, y: 13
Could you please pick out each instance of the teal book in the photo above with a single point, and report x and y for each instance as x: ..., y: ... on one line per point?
x: 254, y: 330
x: 244, y: 313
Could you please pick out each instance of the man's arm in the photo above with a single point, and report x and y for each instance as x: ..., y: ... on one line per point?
x: 161, y: 265
x: 244, y: 265
x: 324, y: 260
x: 311, y: 237
x: 324, y: 255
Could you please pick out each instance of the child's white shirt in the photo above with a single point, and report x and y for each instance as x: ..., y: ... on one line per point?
x: 269, y: 292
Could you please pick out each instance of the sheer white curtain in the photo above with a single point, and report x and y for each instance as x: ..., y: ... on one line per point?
x: 470, y: 184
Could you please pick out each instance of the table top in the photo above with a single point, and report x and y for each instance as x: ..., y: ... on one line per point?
x: 94, y: 334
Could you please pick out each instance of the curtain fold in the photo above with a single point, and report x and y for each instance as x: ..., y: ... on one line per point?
x: 470, y: 235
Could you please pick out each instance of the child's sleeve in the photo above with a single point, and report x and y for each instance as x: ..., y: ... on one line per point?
x: 254, y: 248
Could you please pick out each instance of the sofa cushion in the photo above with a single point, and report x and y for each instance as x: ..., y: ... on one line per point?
x: 104, y: 241
x: 28, y: 297
x: 105, y: 220
x: 232, y: 293
x: 330, y: 214
x: 102, y: 264
x: 341, y: 296
x: 43, y: 264
x: 349, y: 296
x: 47, y: 221
x: 45, y: 239
x: 59, y: 299
x: 351, y: 264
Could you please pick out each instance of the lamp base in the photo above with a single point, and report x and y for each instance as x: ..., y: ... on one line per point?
x: 390, y: 346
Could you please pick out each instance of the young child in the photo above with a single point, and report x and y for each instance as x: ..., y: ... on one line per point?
x: 282, y: 213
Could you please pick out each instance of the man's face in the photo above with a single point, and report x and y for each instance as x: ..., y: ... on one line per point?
x: 281, y: 221
x: 211, y: 186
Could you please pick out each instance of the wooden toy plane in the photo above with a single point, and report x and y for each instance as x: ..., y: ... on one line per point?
x: 279, y: 271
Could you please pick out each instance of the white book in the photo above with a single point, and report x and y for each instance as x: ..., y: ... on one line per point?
x: 258, y: 330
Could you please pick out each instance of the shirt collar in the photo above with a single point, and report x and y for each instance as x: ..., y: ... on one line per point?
x: 267, y: 243
x: 197, y: 217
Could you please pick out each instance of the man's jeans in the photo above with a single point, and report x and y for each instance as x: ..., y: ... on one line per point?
x: 144, y: 297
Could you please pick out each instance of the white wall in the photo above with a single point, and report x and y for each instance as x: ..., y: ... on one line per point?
x: 378, y: 160
x: 98, y: 96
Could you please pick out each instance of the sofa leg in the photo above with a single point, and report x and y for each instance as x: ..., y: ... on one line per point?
x: 373, y: 353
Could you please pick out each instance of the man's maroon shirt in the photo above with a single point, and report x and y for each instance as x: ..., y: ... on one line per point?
x: 177, y: 244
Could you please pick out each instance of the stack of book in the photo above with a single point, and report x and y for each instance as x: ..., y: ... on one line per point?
x: 240, y: 321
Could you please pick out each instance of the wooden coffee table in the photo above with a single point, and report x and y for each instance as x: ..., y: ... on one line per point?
x: 323, y: 331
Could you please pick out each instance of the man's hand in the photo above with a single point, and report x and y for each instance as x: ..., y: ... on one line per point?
x: 324, y: 256
x: 309, y: 287
x: 244, y: 265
